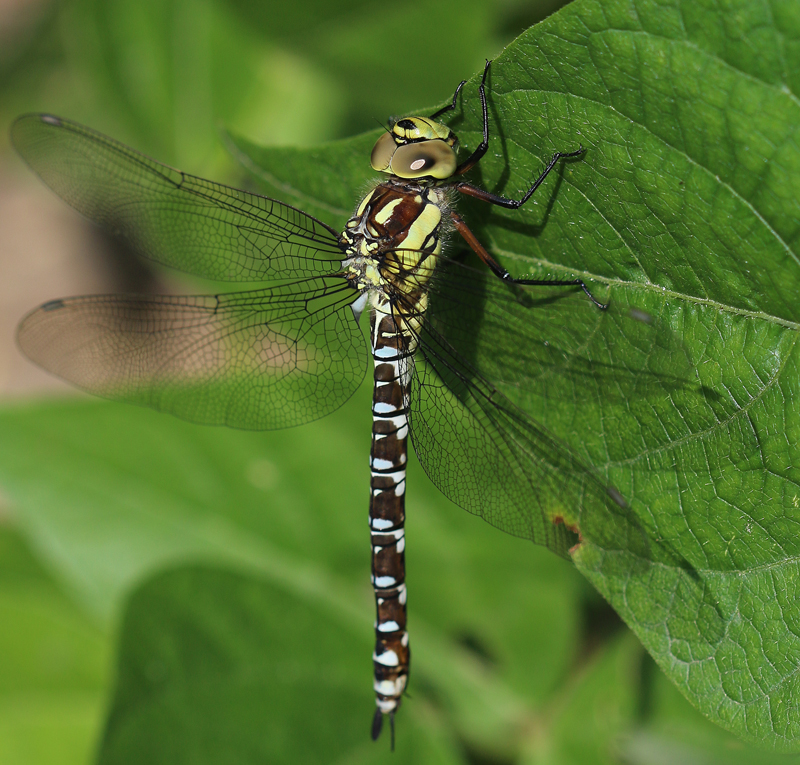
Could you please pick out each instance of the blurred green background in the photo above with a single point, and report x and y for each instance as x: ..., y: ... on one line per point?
x: 138, y: 552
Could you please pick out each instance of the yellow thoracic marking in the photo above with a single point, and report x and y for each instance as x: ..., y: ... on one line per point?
x: 395, y: 276
x: 372, y: 274
x: 364, y: 202
x: 422, y: 227
x: 386, y: 211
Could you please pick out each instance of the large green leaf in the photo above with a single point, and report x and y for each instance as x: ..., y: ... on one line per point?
x: 685, y: 206
x: 670, y: 730
x: 110, y: 493
x: 53, y: 665
x: 162, y: 74
x: 217, y: 667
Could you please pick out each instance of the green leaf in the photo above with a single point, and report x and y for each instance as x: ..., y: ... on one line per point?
x: 107, y: 511
x: 671, y: 730
x: 165, y: 75
x: 383, y: 52
x: 684, y: 206
x: 219, y: 667
x: 169, y: 71
x: 53, y: 665
x: 594, y: 711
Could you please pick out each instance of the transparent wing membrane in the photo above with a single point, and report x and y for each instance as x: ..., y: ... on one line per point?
x: 529, y: 338
x: 178, y: 220
x: 263, y: 359
x: 493, y: 461
x: 494, y: 361
x: 488, y: 456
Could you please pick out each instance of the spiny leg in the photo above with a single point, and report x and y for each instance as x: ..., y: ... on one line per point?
x: 514, y: 204
x: 501, y: 272
x: 561, y: 283
x: 483, y: 146
x: 478, y: 193
x: 477, y: 155
x: 450, y: 106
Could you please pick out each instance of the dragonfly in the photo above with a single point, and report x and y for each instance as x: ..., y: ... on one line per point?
x: 289, y: 348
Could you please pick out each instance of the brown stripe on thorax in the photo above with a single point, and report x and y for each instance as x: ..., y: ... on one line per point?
x: 393, y: 211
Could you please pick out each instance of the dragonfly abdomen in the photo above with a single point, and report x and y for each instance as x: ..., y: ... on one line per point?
x: 388, y: 457
x: 392, y: 244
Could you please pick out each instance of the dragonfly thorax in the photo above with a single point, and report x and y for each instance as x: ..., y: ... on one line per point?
x: 392, y: 243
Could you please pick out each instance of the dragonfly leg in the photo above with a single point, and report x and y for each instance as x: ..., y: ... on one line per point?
x: 451, y: 106
x: 501, y: 272
x: 477, y: 155
x: 513, y: 204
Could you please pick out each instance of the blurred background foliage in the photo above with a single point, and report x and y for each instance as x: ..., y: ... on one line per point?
x: 540, y: 668
x: 165, y: 76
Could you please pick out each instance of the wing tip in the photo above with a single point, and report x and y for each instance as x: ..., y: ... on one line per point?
x: 51, y: 119
x: 51, y: 305
x: 47, y: 118
x: 22, y: 337
x: 25, y: 131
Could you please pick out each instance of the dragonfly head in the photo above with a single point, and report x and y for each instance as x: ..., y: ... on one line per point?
x: 416, y: 147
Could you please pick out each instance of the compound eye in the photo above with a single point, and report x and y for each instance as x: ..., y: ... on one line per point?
x: 427, y: 158
x: 381, y: 156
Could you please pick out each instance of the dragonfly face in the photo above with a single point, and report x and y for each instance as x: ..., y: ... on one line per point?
x: 416, y: 147
x: 291, y: 351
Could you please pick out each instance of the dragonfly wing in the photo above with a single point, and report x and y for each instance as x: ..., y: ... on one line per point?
x: 197, y: 226
x: 490, y: 458
x: 489, y: 354
x: 262, y: 359
x: 544, y: 346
